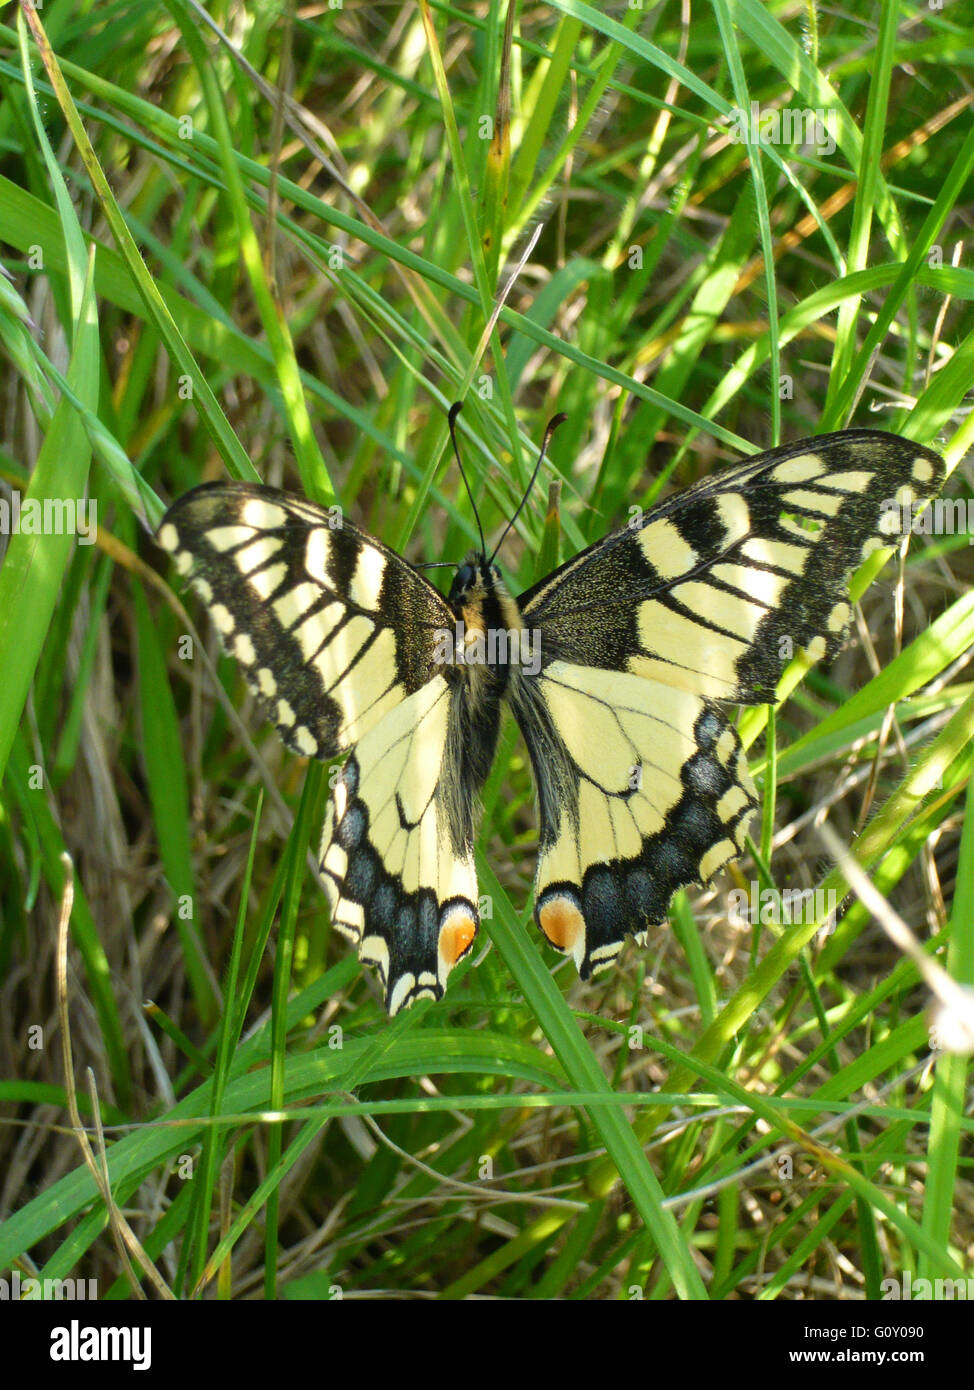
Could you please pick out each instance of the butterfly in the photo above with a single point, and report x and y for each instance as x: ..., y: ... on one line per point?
x: 617, y: 668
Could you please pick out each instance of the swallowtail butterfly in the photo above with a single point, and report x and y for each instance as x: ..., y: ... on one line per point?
x: 617, y: 667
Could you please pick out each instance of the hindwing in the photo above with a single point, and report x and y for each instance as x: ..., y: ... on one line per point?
x: 400, y: 882
x: 642, y: 789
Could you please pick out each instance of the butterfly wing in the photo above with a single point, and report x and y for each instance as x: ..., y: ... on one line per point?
x: 337, y: 638
x: 643, y: 786
x: 401, y: 882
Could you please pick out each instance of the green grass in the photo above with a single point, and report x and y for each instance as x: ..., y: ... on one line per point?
x: 208, y: 280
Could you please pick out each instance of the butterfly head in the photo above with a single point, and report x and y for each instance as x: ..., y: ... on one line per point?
x: 475, y: 581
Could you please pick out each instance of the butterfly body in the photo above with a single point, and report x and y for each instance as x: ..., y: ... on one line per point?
x: 616, y: 667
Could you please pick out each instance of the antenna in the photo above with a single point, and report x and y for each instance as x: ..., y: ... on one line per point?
x: 549, y: 431
x: 454, y: 411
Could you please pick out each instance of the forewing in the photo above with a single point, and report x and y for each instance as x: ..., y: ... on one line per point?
x: 331, y: 629
x: 717, y: 587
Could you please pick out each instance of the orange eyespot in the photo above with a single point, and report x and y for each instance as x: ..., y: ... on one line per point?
x: 562, y: 923
x: 456, y: 936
